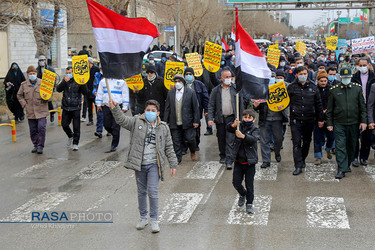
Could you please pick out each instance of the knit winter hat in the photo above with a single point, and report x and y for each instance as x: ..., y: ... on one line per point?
x: 322, y: 74
x: 31, y: 68
x: 191, y: 70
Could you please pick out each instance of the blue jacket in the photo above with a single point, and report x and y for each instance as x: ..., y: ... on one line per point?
x: 98, y: 78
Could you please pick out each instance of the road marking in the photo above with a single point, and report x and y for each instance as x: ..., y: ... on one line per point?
x: 326, y: 212
x: 266, y: 174
x: 370, y: 170
x: 98, y: 203
x: 41, y: 203
x: 49, y: 163
x: 262, y: 207
x: 204, y: 170
x: 180, y: 207
x: 98, y: 169
x: 324, y: 172
x: 207, y: 195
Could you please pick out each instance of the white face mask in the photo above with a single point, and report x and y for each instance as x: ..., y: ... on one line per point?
x: 279, y: 80
x: 363, y: 69
x: 299, y: 65
x: 178, y: 85
x: 42, y: 64
x: 227, y: 81
x: 346, y: 80
x: 282, y: 64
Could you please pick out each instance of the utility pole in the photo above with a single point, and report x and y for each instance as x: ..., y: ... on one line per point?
x: 338, y: 23
x: 135, y: 8
x: 177, y: 46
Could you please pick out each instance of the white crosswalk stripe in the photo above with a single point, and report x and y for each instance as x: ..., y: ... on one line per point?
x: 326, y: 212
x: 43, y: 202
x: 204, y: 170
x: 98, y: 169
x: 324, y: 172
x: 266, y: 174
x: 370, y: 170
x: 262, y: 207
x: 180, y: 207
x: 35, y: 169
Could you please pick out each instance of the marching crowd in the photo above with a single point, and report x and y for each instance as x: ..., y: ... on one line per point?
x: 332, y: 101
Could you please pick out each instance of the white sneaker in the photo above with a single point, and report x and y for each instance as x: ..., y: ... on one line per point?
x: 83, y: 119
x: 155, y: 226
x: 75, y: 147
x: 141, y: 224
x: 70, y: 142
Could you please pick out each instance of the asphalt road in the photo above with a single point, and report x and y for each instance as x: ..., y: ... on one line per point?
x: 197, y: 207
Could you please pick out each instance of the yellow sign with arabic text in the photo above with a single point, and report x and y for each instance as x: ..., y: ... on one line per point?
x: 278, y: 98
x: 273, y: 57
x: 212, y: 56
x: 81, y: 69
x: 194, y: 62
x: 135, y: 82
x: 301, y: 47
x: 171, y: 69
x: 331, y: 42
x: 47, y: 84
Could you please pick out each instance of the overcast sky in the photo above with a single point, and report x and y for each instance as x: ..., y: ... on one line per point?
x: 311, y: 17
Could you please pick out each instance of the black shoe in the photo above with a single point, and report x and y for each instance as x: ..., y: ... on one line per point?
x: 241, y: 201
x: 34, y: 150
x: 340, y: 175
x: 265, y: 165
x: 272, y: 148
x: 208, y: 132
x: 98, y: 134
x: 52, y: 117
x: 113, y: 149
x: 109, y: 134
x: 304, y: 165
x: 355, y: 163
x: 249, y: 208
x: 363, y: 162
x: 22, y: 118
x: 89, y: 124
x: 197, y: 149
x: 278, y: 158
x: 222, y: 161
x: 39, y: 151
x: 229, y: 166
x: 184, y: 152
x: 348, y: 171
x: 297, y: 171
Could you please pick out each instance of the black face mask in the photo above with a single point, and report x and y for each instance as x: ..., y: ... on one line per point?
x: 247, y: 124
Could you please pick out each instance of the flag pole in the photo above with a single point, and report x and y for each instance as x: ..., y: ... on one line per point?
x: 238, y: 108
x: 108, y: 89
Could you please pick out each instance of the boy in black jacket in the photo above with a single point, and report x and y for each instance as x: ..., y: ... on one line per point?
x: 246, y: 156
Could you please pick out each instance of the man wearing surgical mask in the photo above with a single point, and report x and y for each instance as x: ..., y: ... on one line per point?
x: 305, y: 105
x: 182, y: 116
x: 346, y: 117
x: 42, y: 65
x: 222, y: 110
x: 366, y: 78
x: 160, y: 66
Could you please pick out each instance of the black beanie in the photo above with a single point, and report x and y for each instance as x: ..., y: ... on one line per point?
x: 191, y: 70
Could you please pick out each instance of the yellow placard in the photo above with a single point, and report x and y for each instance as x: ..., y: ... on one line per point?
x: 278, y: 98
x: 194, y: 62
x: 273, y: 57
x: 274, y: 46
x: 81, y: 69
x: 331, y: 42
x: 301, y: 47
x: 212, y: 56
x: 171, y: 69
x: 135, y: 82
x: 47, y: 84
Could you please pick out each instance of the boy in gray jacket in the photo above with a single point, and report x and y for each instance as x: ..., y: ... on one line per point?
x: 150, y: 147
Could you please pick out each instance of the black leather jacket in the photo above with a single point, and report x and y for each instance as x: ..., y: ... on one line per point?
x: 72, y: 96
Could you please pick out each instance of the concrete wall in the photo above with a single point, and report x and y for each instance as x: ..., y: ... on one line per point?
x: 4, y: 67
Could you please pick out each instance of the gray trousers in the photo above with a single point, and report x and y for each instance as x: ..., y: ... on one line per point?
x: 276, y: 129
x: 148, y: 184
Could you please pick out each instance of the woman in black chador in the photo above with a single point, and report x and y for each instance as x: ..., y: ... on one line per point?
x: 12, y: 84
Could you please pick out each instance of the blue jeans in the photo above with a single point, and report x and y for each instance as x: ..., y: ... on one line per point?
x: 320, y: 135
x: 148, y: 184
x: 99, y: 120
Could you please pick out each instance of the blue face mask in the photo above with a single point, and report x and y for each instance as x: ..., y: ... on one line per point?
x: 69, y: 75
x: 222, y: 62
x: 189, y: 78
x: 331, y: 78
x: 163, y: 59
x: 247, y: 124
x: 150, y: 116
x: 32, y: 78
x: 272, y: 81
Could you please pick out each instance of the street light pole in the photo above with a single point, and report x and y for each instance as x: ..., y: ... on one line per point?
x: 338, y: 23
x: 135, y: 8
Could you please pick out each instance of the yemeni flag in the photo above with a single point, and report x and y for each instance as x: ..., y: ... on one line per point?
x: 251, y: 66
x: 364, y: 15
x: 122, y: 42
x: 224, y: 45
x: 232, y: 34
x: 332, y: 28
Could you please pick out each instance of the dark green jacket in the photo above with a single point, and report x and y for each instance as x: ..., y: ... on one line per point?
x: 346, y: 105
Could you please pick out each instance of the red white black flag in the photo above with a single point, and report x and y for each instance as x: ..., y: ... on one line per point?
x: 122, y: 42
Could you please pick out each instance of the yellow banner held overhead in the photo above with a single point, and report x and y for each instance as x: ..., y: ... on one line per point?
x: 273, y: 57
x: 212, y: 56
x: 278, y: 98
x: 47, y: 84
x: 301, y: 47
x: 331, y: 42
x: 194, y: 62
x: 135, y: 82
x: 171, y: 69
x: 274, y: 46
x: 81, y: 69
